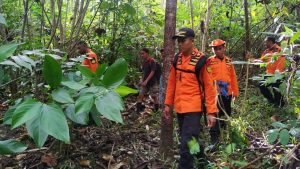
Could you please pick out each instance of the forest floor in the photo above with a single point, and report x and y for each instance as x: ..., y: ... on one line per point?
x: 135, y: 145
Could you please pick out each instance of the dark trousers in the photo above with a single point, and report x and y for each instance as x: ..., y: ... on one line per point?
x: 276, y: 98
x: 224, y: 104
x: 189, y: 127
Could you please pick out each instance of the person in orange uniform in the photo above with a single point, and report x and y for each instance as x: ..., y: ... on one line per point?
x: 185, y: 94
x: 91, y: 60
x: 223, y: 73
x: 272, y: 66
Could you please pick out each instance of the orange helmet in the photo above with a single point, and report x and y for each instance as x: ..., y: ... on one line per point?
x: 217, y: 42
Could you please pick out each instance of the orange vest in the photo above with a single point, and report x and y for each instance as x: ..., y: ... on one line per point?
x: 223, y: 70
x: 272, y: 65
x: 91, y: 60
x: 183, y: 89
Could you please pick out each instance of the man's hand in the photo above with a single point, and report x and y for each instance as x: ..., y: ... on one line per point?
x: 167, y: 112
x: 211, y: 120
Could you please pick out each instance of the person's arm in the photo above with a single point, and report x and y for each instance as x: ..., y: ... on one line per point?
x: 170, y: 93
x: 153, y: 69
x: 210, y: 96
x: 234, y: 83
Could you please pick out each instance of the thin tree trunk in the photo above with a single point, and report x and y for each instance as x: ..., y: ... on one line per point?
x: 166, y: 146
x: 192, y: 13
x: 74, y: 18
x: 25, y: 18
x: 247, y: 27
x: 207, y: 20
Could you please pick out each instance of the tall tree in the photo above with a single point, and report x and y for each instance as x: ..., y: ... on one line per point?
x: 192, y: 13
x: 207, y: 19
x: 166, y: 146
x: 247, y: 27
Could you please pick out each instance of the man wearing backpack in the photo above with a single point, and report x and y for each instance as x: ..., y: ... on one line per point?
x: 189, y: 84
x: 150, y: 82
x: 223, y: 73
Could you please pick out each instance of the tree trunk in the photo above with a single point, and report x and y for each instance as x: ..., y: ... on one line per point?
x: 166, y: 146
x: 205, y: 34
x: 247, y: 28
x: 25, y: 18
x: 192, y: 13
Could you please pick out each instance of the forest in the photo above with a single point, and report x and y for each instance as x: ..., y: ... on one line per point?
x: 76, y: 91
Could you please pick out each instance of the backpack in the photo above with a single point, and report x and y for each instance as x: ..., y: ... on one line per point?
x: 200, y: 63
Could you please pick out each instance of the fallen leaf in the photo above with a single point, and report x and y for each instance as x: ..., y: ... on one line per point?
x: 118, y: 166
x: 20, y: 156
x: 85, y: 163
x: 107, y: 157
x: 49, y: 160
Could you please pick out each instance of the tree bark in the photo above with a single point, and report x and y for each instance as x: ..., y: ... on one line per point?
x: 166, y: 146
x: 247, y: 27
x: 192, y: 13
x: 207, y: 20
x: 25, y: 17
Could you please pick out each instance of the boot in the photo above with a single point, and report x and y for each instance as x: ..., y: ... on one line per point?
x: 156, y: 107
x: 214, y: 136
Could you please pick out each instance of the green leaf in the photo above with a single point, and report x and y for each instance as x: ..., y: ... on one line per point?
x: 73, y: 85
x: 279, y: 125
x: 10, y: 63
x: 8, y: 116
x: 193, y: 146
x: 52, y: 71
x: 54, y: 123
x: 26, y: 111
x: 107, y: 109
x: 86, y: 72
x: 62, y: 96
x: 7, y: 50
x: 129, y: 9
x: 124, y: 91
x: 295, y: 132
x: 21, y: 62
x: 2, y: 19
x: 272, y: 135
x: 115, y: 74
x: 284, y: 137
x: 96, y: 116
x: 230, y: 148
x: 239, y: 163
x: 84, y: 103
x: 100, y: 70
x: 82, y: 118
x: 11, y: 146
x: 35, y: 131
x: 295, y: 37
x: 94, y: 89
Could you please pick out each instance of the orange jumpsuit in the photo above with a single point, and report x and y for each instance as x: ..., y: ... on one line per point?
x: 223, y: 70
x: 272, y: 65
x: 183, y: 90
x: 91, y: 60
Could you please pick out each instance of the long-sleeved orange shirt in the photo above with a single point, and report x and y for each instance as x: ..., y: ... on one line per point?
x: 223, y: 70
x: 91, y: 60
x: 183, y: 90
x: 272, y: 65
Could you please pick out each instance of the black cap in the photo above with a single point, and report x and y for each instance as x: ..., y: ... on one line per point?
x: 184, y: 33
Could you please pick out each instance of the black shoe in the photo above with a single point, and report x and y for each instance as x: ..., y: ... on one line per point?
x: 140, y: 107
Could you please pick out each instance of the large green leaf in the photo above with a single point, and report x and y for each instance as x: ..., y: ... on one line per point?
x: 52, y: 71
x: 7, y: 50
x: 9, y: 62
x: 73, y: 85
x: 26, y: 111
x: 110, y: 106
x: 54, y: 123
x: 193, y: 146
x: 81, y: 118
x: 284, y: 137
x: 100, y: 70
x: 8, y: 116
x: 115, y: 74
x: 295, y: 37
x: 21, y: 62
x: 84, y: 103
x: 279, y: 125
x: 96, y: 116
x: 2, y: 19
x: 124, y: 91
x: 230, y: 148
x: 129, y: 9
x: 35, y: 130
x: 86, y: 72
x: 295, y: 132
x: 61, y: 95
x: 272, y: 135
x: 11, y: 147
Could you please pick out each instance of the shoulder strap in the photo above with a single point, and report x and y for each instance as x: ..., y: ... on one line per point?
x: 201, y: 62
x: 175, y: 60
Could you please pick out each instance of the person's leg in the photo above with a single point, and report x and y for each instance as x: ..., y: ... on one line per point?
x: 139, y: 106
x: 154, y: 91
x: 215, y: 131
x: 190, y: 129
x: 227, y: 108
x: 278, y: 98
x: 266, y: 92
